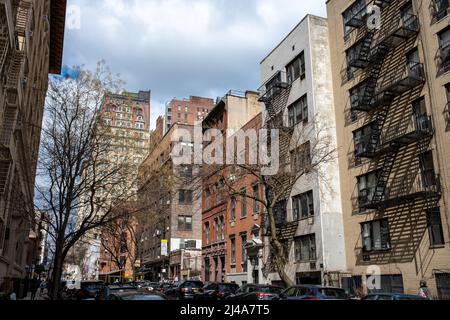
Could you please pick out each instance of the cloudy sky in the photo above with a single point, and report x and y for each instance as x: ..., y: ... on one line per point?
x: 179, y: 48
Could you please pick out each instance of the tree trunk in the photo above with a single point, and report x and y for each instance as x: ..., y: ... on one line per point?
x: 58, y: 266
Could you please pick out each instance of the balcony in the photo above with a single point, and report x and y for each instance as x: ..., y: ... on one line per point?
x: 356, y: 16
x: 406, y: 189
x: 444, y: 56
x: 439, y: 10
x: 417, y: 128
x: 367, y: 97
x: 273, y: 86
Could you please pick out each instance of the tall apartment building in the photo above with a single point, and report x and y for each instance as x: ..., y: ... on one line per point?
x: 170, y: 232
x: 245, y: 228
x: 297, y: 93
x: 31, y: 44
x: 391, y: 90
x: 127, y: 115
x: 230, y: 114
x: 187, y: 111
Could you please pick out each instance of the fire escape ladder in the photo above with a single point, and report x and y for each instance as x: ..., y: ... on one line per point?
x: 383, y: 177
x: 14, y: 70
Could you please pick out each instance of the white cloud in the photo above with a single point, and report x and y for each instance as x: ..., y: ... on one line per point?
x: 183, y: 47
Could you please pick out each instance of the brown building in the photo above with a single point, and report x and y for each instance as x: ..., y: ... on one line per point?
x: 31, y: 43
x: 244, y: 231
x: 170, y: 231
x: 187, y: 111
x: 127, y: 116
x: 232, y: 112
x: 391, y: 90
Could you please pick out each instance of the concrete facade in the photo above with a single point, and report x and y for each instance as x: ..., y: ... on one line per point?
x: 415, y: 246
x: 308, y: 41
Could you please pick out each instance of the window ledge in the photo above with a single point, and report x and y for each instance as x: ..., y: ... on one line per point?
x: 438, y: 246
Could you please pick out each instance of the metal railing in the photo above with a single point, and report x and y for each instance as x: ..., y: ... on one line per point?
x: 273, y: 86
x: 413, y: 185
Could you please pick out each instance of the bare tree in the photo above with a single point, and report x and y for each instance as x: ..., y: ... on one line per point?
x: 80, y: 186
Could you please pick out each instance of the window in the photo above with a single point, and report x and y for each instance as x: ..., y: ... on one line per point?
x: 186, y: 171
x: 389, y: 284
x: 301, y: 158
x: 305, y: 248
x: 207, y: 199
x: 427, y: 170
x: 440, y: 9
x: 233, y: 210
x: 367, y: 185
x: 222, y: 228
x: 375, y: 235
x: 365, y: 139
x: 233, y: 250
x: 216, y: 228
x: 244, y: 252
x: 207, y: 233
x: 279, y: 212
x: 296, y: 68
x: 444, y: 49
x: 184, y: 223
x: 243, y: 203
x: 298, y: 111
x: 185, y: 196
x: 255, y: 197
x: 303, y: 205
x: 434, y: 224
x: 443, y: 285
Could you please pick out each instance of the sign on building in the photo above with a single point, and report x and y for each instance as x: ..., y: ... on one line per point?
x: 164, y: 248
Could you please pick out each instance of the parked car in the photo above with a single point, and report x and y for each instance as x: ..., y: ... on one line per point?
x: 167, y: 288
x: 137, y: 296
x: 89, y: 289
x: 217, y: 291
x: 256, y: 292
x: 109, y: 290
x: 392, y: 296
x: 312, y: 292
x: 186, y: 290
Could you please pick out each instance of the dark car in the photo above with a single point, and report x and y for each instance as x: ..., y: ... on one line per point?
x: 137, y: 296
x: 89, y: 289
x: 310, y: 292
x: 109, y: 290
x: 167, y: 288
x: 186, y: 290
x: 217, y: 291
x: 392, y: 296
x: 256, y: 292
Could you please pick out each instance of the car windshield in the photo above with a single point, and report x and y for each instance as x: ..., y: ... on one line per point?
x: 228, y: 287
x: 334, y: 293
x: 276, y: 290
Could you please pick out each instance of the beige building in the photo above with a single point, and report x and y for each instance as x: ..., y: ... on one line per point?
x: 391, y: 90
x: 31, y: 42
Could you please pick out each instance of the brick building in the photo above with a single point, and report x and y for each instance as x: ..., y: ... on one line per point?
x: 187, y: 111
x: 31, y: 45
x: 231, y: 113
x: 170, y: 232
x: 244, y: 225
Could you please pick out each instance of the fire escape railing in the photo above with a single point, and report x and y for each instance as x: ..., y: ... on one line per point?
x: 413, y: 186
x: 273, y: 86
x: 371, y: 146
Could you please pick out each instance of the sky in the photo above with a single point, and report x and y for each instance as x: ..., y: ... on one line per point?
x: 178, y: 48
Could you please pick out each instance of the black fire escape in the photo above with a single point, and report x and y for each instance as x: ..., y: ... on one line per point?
x: 374, y: 96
